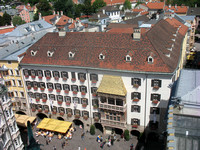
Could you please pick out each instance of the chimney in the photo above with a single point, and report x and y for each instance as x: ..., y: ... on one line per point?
x: 58, y: 13
x: 54, y: 12
x: 62, y: 33
x: 40, y: 16
x: 195, y: 5
x: 136, y: 34
x: 98, y: 15
x: 103, y: 11
x: 175, y: 6
x: 61, y: 13
x: 157, y: 16
x: 170, y: 5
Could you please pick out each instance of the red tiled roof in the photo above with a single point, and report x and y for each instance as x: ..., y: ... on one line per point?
x: 63, y: 20
x: 2, y: 31
x: 115, y: 2
x: 48, y: 18
x: 155, y: 5
x: 144, y: 13
x: 178, y: 9
x: 137, y: 10
x: 121, y: 30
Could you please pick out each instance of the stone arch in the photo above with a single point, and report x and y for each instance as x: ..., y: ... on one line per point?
x: 118, y: 130
x: 135, y: 133
x: 41, y: 116
x: 98, y: 126
x: 78, y: 122
x: 20, y: 113
x: 61, y: 118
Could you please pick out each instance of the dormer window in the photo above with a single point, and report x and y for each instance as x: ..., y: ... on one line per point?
x: 128, y: 58
x: 101, y: 57
x: 150, y: 59
x: 33, y: 53
x: 71, y: 54
x: 50, y: 54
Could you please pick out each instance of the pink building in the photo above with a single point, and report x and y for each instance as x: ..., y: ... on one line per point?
x: 24, y: 14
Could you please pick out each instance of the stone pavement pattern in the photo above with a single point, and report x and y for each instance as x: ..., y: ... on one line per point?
x: 89, y: 142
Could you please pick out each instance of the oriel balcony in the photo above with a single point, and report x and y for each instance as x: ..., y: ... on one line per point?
x: 112, y: 107
x: 113, y: 123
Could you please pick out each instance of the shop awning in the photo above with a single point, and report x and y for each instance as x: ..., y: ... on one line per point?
x: 112, y: 85
x: 23, y: 119
x: 54, y: 125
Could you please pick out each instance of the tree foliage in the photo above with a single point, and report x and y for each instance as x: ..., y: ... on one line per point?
x: 5, y: 20
x: 17, y: 21
x: 98, y: 4
x: 127, y: 4
x: 190, y: 3
x: 44, y: 8
x: 126, y: 135
x: 87, y: 7
x: 92, y: 130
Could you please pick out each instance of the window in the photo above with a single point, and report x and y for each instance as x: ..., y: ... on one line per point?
x: 84, y: 101
x: 76, y: 112
x: 42, y: 85
x: 128, y: 58
x: 85, y: 113
x: 40, y: 73
x: 150, y: 60
x: 44, y: 96
x: 156, y: 83
x: 59, y: 98
x: 135, y: 95
x: 83, y: 89
x: 8, y: 83
x: 19, y: 82
x: 37, y: 95
x: 135, y: 108
x: 96, y: 115
x: 93, y: 90
x: 67, y: 99
x: 11, y: 72
x: 155, y: 110
x: 3, y: 99
x: 135, y: 82
x: 7, y: 113
x: 40, y: 26
x: 13, y: 83
x: 93, y: 77
x: 73, y: 76
x: 52, y: 97
x: 47, y: 73
x: 135, y: 121
x: 10, y: 94
x: 76, y: 100
x: 66, y: 87
x: 31, y: 94
x: 95, y: 102
x: 155, y: 97
x: 16, y: 94
x: 28, y: 83
x: 61, y: 110
x: 101, y: 57
x: 68, y: 110
x: 50, y: 85
x: 35, y: 84
x: 58, y: 86
x: 25, y: 71
x: 64, y: 75
x: 74, y: 88
x: 56, y: 74
x: 33, y: 73
x: 81, y: 76
x: 28, y: 29
x: 17, y: 72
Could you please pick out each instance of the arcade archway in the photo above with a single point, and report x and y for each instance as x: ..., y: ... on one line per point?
x: 117, y: 131
x: 20, y: 113
x: 98, y: 126
x: 60, y: 118
x: 78, y: 122
x: 41, y: 116
x: 135, y: 133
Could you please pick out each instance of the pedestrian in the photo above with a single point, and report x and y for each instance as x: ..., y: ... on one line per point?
x: 82, y: 135
x: 131, y: 146
x: 74, y: 129
x: 47, y: 142
x: 63, y: 145
x: 122, y: 135
x: 54, y: 147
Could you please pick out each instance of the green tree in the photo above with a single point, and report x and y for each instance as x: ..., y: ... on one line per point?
x: 7, y: 18
x: 1, y: 21
x: 77, y: 11
x: 92, y: 130
x: 17, y: 21
x: 36, y: 16
x: 44, y: 8
x: 126, y: 135
x: 98, y: 4
x: 87, y: 7
x: 127, y: 4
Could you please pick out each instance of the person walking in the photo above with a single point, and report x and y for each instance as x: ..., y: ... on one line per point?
x: 131, y: 146
x: 54, y: 147
x: 47, y: 142
x: 82, y: 135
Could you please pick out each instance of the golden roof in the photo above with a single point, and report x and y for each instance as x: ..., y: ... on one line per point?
x: 112, y: 85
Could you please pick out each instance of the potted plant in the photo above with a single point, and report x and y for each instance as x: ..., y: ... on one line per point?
x: 33, y: 76
x: 64, y: 78
x: 29, y: 87
x: 94, y: 81
x: 54, y: 112
x: 42, y: 88
x: 58, y: 90
x: 59, y: 102
x: 82, y: 93
x: 26, y: 76
x: 82, y: 80
x: 66, y: 91
x: 85, y: 117
x: 46, y: 110
x: 135, y: 100
x: 68, y: 103
x: 35, y: 88
x: 48, y: 78
x: 155, y: 87
x: 135, y: 126
x: 136, y: 85
x: 95, y: 106
x: 50, y: 90
x: 69, y: 115
x: 155, y: 101
x: 44, y: 100
x: 40, y: 110
x: 73, y: 79
x: 94, y: 94
x: 84, y: 105
x: 40, y: 77
x: 33, y: 109
x: 56, y: 78
x: 96, y: 119
x: 77, y: 116
x: 74, y: 92
x: 37, y: 99
x: 61, y: 113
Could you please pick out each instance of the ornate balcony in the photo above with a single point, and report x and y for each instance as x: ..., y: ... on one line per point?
x: 112, y: 107
x: 113, y: 123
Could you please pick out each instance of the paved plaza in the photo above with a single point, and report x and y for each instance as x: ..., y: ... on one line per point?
x: 88, y: 142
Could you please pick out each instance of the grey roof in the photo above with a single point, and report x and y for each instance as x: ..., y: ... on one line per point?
x: 12, y: 12
x: 101, y: 16
x: 188, y: 87
x: 136, y: 20
x: 194, y: 11
x: 190, y: 18
x: 130, y: 14
x: 110, y: 8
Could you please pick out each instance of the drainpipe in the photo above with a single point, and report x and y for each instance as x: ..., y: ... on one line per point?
x: 89, y: 93
x: 145, y: 102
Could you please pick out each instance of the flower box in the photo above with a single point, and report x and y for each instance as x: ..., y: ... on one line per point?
x: 56, y: 78
x: 48, y: 78
x: 66, y: 91
x: 35, y: 88
x: 33, y: 77
x: 26, y: 76
x: 33, y: 109
x: 84, y: 105
x: 68, y: 103
x: 50, y: 90
x: 58, y: 90
x: 29, y: 87
x: 54, y: 112
x: 135, y: 100
x: 60, y: 102
x: 73, y: 79
x: 46, y: 110
x: 83, y: 93
x: 40, y: 110
x: 40, y: 77
x: 77, y: 116
x: 94, y: 94
x: 37, y: 99
x: 64, y: 78
x: 96, y: 119
x: 82, y: 80
x: 74, y: 92
x: 95, y: 106
x: 85, y: 117
x: 136, y: 85
x: 156, y: 87
x: 44, y: 100
x: 135, y: 126
x: 69, y: 115
x: 94, y: 81
x: 42, y: 89
x: 155, y: 101
x: 61, y: 113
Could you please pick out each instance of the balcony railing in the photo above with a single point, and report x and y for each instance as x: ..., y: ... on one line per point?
x: 113, y: 123
x: 112, y: 107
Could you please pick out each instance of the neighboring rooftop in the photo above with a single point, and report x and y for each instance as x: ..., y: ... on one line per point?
x: 194, y: 11
x: 177, y: 9
x: 155, y: 5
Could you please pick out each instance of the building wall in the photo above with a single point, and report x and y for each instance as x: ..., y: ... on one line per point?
x: 24, y: 14
x: 145, y: 89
